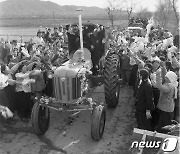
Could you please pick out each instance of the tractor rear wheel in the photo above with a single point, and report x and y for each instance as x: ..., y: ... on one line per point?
x: 40, y: 118
x: 98, y: 122
x: 111, y: 85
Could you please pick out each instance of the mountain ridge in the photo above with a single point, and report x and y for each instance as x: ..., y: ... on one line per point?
x: 30, y: 8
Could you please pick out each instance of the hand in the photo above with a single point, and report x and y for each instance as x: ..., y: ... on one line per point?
x: 158, y: 72
x: 92, y: 46
x: 32, y: 73
x: 32, y: 81
x: 148, y: 114
x: 104, y: 40
x: 162, y: 64
x: 18, y: 82
x: 23, y: 61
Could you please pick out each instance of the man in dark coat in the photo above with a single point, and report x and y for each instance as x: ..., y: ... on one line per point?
x: 101, y: 36
x: 73, y: 40
x: 125, y: 68
x: 144, y: 102
x: 95, y: 50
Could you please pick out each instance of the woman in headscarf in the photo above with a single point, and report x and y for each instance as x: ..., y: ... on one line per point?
x: 166, y: 104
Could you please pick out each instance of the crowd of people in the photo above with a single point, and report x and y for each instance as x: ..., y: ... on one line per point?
x: 26, y: 69
x: 149, y: 63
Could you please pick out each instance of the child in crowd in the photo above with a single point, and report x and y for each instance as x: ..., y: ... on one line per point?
x: 23, y: 89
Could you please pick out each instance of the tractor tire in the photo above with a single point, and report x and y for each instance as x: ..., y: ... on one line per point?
x: 40, y: 118
x: 98, y: 120
x: 111, y: 77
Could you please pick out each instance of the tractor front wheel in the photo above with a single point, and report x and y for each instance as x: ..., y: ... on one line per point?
x: 98, y: 122
x: 40, y: 118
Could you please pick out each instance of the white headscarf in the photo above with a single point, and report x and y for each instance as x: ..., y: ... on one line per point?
x: 173, y: 79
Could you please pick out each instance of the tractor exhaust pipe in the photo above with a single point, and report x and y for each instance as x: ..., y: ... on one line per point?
x: 81, y: 55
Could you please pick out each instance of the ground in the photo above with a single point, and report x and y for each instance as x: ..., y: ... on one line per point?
x: 72, y: 136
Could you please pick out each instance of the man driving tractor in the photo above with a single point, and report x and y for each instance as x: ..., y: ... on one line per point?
x: 92, y: 40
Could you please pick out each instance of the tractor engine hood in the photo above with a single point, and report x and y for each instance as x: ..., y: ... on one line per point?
x: 72, y: 67
x: 68, y: 70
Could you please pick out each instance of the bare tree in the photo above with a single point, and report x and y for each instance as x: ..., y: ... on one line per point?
x: 113, y: 7
x: 163, y: 12
x: 110, y: 11
x: 174, y: 8
x: 130, y: 6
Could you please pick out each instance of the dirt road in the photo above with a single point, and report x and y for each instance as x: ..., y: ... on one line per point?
x: 72, y: 136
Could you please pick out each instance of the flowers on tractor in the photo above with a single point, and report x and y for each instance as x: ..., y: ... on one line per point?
x: 83, y: 76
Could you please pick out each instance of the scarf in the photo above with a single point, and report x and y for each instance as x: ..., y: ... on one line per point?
x: 173, y: 81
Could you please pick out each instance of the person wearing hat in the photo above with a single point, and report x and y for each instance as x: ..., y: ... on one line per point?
x: 144, y: 102
x: 166, y: 104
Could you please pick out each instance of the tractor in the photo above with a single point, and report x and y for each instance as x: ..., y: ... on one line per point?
x: 73, y: 83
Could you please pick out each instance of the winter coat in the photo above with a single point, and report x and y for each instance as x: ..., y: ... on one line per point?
x: 125, y: 62
x: 145, y: 100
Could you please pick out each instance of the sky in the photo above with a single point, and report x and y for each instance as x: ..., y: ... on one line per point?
x: 149, y: 4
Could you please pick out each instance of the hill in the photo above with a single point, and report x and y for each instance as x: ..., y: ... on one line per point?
x: 32, y: 13
x: 36, y: 8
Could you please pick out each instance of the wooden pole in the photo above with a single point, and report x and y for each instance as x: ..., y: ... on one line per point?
x: 143, y: 139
